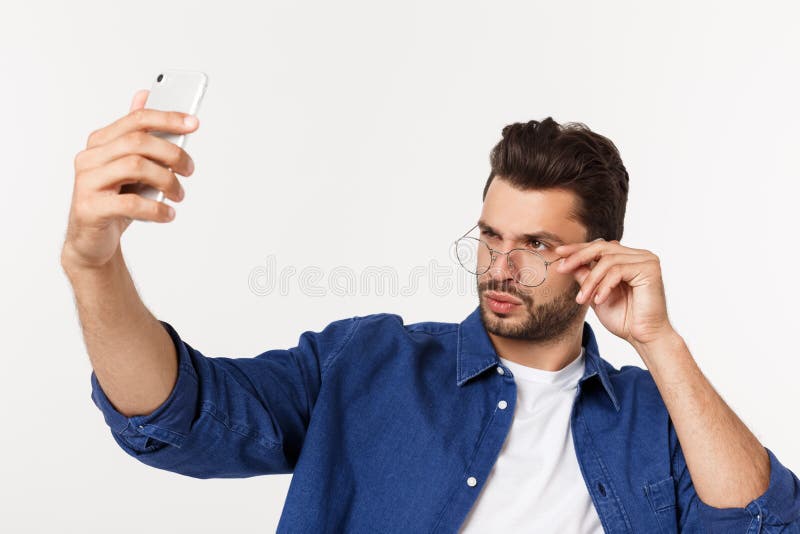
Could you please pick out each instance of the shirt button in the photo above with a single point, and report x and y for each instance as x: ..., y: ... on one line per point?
x: 140, y: 427
x: 471, y: 482
x: 500, y: 370
x: 502, y: 405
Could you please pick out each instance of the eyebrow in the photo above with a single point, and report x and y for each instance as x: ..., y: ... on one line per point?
x: 541, y: 234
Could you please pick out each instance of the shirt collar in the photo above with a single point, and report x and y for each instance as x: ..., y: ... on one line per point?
x: 475, y: 353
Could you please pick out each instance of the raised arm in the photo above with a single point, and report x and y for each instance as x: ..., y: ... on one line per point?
x: 131, y: 353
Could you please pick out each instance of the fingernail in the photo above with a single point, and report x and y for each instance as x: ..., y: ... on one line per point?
x: 181, y: 193
x: 561, y: 264
x: 580, y: 294
x: 190, y: 121
x: 191, y: 166
x: 170, y: 212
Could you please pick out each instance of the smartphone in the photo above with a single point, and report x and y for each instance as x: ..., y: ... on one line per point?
x: 172, y: 90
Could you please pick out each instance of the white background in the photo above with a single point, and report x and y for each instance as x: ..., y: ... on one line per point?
x: 357, y: 134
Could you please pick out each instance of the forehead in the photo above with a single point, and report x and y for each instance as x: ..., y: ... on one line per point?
x: 512, y: 211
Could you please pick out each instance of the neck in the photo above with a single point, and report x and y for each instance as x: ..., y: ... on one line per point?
x: 547, y: 355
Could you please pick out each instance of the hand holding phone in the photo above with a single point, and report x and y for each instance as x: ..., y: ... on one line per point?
x: 172, y: 90
x: 124, y: 154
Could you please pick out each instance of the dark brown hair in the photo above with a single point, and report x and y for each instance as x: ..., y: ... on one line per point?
x: 548, y: 155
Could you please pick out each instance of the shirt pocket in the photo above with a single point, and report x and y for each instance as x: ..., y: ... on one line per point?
x: 661, y: 496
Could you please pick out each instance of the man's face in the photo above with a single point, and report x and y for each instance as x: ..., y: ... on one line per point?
x: 543, y: 312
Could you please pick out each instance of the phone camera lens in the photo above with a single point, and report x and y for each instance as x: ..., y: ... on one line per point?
x: 160, y: 77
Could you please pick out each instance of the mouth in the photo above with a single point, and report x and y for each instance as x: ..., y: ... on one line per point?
x: 501, y: 302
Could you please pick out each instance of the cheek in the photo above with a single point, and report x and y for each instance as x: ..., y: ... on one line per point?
x: 571, y: 277
x: 563, y: 283
x: 562, y: 280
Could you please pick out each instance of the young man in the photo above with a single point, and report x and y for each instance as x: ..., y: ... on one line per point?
x: 510, y: 421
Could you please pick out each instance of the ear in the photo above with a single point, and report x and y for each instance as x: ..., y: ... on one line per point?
x: 139, y: 99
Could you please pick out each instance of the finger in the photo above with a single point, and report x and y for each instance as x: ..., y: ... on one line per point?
x: 132, y: 169
x: 590, y: 252
x: 569, y: 252
x: 133, y: 206
x: 144, y: 119
x: 625, y: 273
x: 139, y: 99
x: 608, y: 264
x: 582, y: 274
x: 605, y: 287
x: 142, y: 143
x: 572, y: 247
x: 566, y: 250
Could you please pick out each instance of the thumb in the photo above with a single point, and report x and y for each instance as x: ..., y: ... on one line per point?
x: 139, y: 99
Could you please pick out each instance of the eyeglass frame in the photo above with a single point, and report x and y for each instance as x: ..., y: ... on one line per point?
x: 492, y: 256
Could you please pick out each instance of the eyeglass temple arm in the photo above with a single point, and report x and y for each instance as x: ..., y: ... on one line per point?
x: 468, y: 231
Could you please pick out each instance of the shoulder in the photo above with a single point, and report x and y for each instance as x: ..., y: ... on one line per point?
x: 388, y: 324
x: 375, y: 337
x: 373, y: 326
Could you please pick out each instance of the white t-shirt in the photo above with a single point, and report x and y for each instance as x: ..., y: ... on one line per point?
x: 536, y: 484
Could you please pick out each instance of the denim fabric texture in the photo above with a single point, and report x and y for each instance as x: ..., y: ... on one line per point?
x: 384, y: 423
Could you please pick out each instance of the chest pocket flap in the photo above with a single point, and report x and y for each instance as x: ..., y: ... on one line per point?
x: 661, y: 495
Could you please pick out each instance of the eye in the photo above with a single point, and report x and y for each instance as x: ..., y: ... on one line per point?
x: 533, y: 242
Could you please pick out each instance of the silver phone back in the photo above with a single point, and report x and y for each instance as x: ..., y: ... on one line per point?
x: 178, y: 90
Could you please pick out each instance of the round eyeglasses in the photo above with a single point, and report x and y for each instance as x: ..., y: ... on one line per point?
x: 477, y: 257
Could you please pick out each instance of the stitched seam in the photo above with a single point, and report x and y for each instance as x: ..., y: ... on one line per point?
x: 255, y: 436
x: 335, y: 354
x: 469, y: 463
x: 189, y: 370
x: 458, y: 355
x: 603, y: 468
x: 429, y: 333
x: 577, y: 411
x: 422, y: 329
x: 178, y: 435
x: 648, y: 491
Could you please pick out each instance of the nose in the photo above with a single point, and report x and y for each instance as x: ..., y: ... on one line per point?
x: 500, y: 269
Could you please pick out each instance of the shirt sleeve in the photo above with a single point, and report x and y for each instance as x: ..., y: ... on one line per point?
x: 231, y: 417
x: 776, y: 510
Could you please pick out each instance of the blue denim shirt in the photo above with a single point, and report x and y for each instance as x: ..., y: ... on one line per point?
x: 382, y: 423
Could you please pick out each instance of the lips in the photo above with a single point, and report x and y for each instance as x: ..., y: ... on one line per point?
x: 502, y: 297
